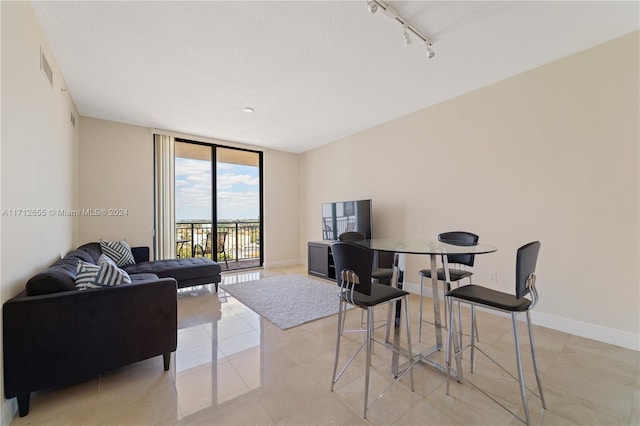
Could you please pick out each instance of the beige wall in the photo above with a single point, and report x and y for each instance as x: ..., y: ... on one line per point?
x: 551, y: 154
x: 116, y: 169
x: 281, y: 209
x: 39, y: 154
x: 128, y: 150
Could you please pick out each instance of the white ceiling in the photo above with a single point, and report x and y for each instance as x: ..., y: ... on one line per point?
x: 314, y: 71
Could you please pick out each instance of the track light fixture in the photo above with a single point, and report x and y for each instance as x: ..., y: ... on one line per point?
x: 430, y: 50
x: 372, y: 6
x: 392, y: 13
x: 405, y: 36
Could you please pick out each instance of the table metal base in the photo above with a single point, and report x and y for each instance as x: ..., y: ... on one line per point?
x: 399, y: 266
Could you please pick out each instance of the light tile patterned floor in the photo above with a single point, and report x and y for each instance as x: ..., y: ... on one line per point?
x: 234, y: 368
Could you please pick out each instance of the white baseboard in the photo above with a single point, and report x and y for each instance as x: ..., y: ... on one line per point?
x: 8, y: 411
x: 415, y: 288
x: 608, y: 335
x: 282, y: 263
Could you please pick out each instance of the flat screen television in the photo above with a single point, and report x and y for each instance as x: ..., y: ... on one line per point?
x: 345, y: 216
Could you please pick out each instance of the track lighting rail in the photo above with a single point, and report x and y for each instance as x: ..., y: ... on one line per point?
x: 392, y: 13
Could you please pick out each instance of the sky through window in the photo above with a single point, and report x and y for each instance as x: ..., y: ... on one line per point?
x: 237, y: 190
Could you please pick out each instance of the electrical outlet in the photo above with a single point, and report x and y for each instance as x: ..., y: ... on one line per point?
x: 493, y: 277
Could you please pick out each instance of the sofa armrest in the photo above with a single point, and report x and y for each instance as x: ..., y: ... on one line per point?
x: 140, y: 254
x: 62, y: 338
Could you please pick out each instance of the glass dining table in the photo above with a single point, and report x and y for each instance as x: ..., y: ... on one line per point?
x: 401, y: 247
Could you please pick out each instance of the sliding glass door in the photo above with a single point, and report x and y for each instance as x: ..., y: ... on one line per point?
x: 193, y: 199
x: 218, y: 199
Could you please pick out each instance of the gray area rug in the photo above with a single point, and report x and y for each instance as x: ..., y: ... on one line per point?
x: 288, y: 300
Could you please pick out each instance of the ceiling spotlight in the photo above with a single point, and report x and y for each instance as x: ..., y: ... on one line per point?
x: 405, y: 36
x: 372, y: 6
x: 247, y: 109
x: 430, y: 50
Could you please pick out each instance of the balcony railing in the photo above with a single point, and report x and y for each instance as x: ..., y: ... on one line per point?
x: 343, y: 224
x: 242, y: 241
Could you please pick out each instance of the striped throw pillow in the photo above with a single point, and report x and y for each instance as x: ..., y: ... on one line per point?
x: 119, y: 251
x: 110, y: 275
x: 85, y: 273
x: 104, y: 258
x: 105, y: 275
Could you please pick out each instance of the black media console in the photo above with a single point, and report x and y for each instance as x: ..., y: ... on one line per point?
x: 320, y: 260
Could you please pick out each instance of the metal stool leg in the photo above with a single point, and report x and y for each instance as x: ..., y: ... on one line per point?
x: 473, y: 343
x: 474, y: 325
x: 523, y: 390
x: 473, y: 319
x: 342, y: 322
x: 368, y: 361
x: 340, y: 328
x: 420, y: 313
x: 460, y: 326
x: 449, y: 351
x: 535, y: 359
x: 373, y: 330
x: 444, y: 303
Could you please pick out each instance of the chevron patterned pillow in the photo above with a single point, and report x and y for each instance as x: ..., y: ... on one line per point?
x: 119, y: 251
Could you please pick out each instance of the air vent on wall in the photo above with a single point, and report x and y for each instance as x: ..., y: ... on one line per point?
x: 46, y: 69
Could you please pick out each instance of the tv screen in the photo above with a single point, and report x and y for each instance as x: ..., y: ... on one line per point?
x: 345, y: 216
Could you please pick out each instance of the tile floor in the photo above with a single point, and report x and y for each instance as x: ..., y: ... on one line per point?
x: 234, y: 368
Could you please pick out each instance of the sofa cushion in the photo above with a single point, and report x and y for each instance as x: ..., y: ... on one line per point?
x: 91, y: 249
x: 53, y: 280
x: 119, y: 251
x: 60, y: 276
x: 182, y: 269
x: 143, y: 278
x: 78, y: 255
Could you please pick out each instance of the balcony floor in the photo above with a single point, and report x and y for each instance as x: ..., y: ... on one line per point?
x: 239, y: 264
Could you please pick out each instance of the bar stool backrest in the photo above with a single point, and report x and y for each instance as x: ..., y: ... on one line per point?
x: 460, y: 238
x: 356, y: 258
x: 526, y: 260
x: 352, y: 237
